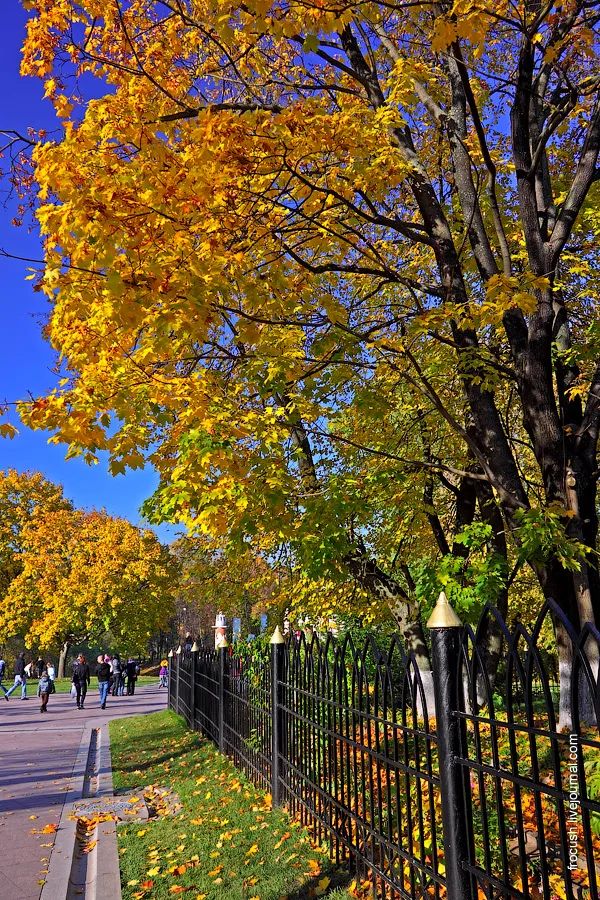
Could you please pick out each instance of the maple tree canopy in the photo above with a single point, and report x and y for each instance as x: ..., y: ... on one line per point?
x: 332, y: 269
x: 84, y: 575
x: 23, y: 497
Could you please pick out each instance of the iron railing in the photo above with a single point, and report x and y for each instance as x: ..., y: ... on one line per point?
x: 463, y: 785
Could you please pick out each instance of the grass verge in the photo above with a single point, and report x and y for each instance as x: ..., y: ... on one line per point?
x: 226, y: 842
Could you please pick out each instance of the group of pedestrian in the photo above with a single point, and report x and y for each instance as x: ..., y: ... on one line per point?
x: 112, y: 674
x: 23, y: 671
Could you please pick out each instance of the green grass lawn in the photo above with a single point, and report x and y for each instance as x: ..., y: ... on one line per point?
x: 226, y: 843
x: 63, y: 685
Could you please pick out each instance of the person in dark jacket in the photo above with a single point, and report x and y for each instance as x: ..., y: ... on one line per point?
x: 20, y: 677
x: 40, y: 667
x: 103, y: 675
x: 81, y: 679
x: 131, y: 669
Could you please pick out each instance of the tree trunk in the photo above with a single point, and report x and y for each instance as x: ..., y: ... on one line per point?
x: 62, y: 660
x: 386, y: 589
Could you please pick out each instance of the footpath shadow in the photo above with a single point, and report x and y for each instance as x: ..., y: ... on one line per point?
x: 32, y: 802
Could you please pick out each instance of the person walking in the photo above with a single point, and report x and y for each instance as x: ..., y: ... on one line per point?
x: 162, y: 675
x: 131, y: 669
x: 44, y: 689
x: 103, y: 675
x: 116, y: 674
x: 20, y: 677
x: 81, y: 679
x: 51, y: 672
x: 2, y: 674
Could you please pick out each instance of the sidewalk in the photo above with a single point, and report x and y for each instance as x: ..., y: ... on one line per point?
x: 37, y: 755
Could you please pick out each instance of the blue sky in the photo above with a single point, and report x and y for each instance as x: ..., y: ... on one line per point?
x: 25, y: 358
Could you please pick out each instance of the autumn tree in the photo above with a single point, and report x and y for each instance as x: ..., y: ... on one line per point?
x: 333, y: 270
x: 84, y: 575
x: 23, y: 497
x: 236, y: 583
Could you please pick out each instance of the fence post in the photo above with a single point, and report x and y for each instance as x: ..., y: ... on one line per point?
x: 277, y: 648
x: 222, y: 650
x: 178, y: 659
x: 457, y: 822
x: 195, y: 649
x: 170, y: 679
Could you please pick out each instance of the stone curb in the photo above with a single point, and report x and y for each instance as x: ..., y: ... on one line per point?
x: 107, y: 868
x: 97, y: 876
x: 61, y: 859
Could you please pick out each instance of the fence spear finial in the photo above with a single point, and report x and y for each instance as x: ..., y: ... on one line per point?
x: 170, y: 654
x: 443, y: 616
x: 277, y: 638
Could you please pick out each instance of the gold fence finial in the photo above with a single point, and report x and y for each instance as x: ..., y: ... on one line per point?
x: 443, y: 616
x: 277, y: 638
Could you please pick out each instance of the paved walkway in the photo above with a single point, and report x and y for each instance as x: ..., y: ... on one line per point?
x: 37, y: 755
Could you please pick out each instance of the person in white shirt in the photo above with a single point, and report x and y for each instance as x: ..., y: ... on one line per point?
x: 51, y: 671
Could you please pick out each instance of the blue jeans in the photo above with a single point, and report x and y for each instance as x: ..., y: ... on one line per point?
x: 19, y: 680
x: 103, y: 688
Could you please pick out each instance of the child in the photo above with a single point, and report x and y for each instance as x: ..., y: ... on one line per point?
x: 44, y: 688
x: 162, y: 682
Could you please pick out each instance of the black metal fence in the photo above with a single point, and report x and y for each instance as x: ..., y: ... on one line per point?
x: 460, y: 784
